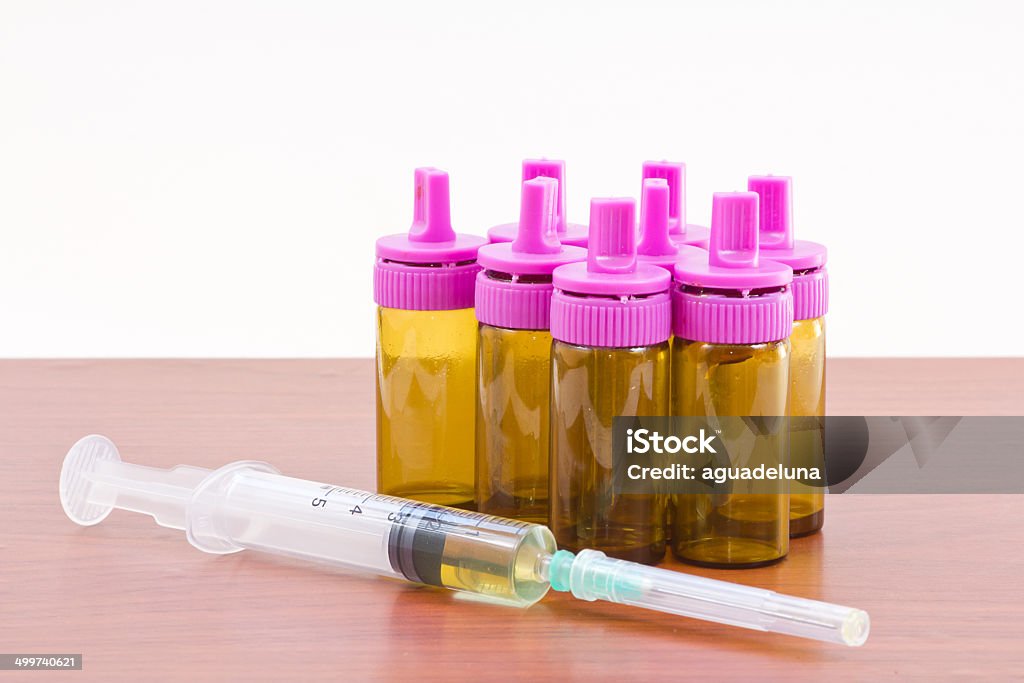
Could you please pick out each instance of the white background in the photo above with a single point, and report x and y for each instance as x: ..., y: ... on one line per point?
x: 208, y: 178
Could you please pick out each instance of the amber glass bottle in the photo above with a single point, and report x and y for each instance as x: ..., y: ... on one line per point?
x: 733, y: 315
x: 807, y: 364
x: 513, y: 305
x: 426, y: 351
x: 610, y: 320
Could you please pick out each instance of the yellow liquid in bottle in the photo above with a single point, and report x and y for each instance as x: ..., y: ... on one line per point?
x: 425, y: 405
x: 512, y: 412
x: 807, y: 399
x: 745, y: 527
x: 590, y: 386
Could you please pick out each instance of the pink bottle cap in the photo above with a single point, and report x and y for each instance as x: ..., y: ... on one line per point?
x: 732, y: 295
x: 611, y: 300
x: 807, y: 259
x: 568, y: 233
x: 431, y: 267
x: 680, y: 231
x: 514, y: 290
x: 656, y: 246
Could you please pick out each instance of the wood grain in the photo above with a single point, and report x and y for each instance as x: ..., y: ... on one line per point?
x: 940, y: 575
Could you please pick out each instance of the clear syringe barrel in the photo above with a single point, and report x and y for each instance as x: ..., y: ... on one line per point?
x: 249, y: 505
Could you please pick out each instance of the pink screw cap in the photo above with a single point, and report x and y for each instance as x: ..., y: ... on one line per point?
x: 656, y: 246
x: 675, y: 174
x: 611, y: 300
x: 807, y: 259
x: 514, y: 290
x: 431, y: 267
x: 568, y: 233
x: 731, y: 295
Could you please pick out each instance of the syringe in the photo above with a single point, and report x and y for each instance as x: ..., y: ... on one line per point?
x: 250, y: 505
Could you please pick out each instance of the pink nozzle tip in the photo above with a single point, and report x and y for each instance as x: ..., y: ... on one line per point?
x: 612, y: 245
x: 734, y: 230
x: 549, y: 168
x: 431, y: 221
x: 536, y: 233
x: 675, y: 174
x: 775, y: 225
x: 654, y: 217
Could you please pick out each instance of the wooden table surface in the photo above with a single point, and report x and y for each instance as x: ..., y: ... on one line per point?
x: 940, y: 575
